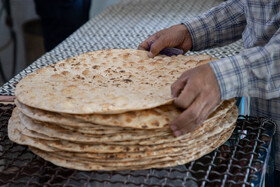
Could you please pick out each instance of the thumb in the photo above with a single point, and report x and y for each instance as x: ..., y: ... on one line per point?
x: 158, y: 45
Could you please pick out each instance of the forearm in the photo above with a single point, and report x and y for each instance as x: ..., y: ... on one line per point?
x: 255, y: 72
x: 217, y: 27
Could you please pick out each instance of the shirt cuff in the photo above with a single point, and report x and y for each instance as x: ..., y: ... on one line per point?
x: 200, y: 31
x: 232, y: 76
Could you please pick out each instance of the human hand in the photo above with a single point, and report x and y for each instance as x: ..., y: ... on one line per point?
x: 176, y: 36
x: 197, y: 92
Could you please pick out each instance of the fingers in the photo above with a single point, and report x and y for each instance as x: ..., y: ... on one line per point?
x: 190, y: 119
x: 176, y: 36
x: 159, y: 44
x: 178, y: 86
x: 187, y: 96
x: 145, y: 44
x: 198, y: 92
x: 185, y: 90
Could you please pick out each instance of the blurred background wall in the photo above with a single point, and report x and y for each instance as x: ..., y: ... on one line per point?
x: 26, y: 45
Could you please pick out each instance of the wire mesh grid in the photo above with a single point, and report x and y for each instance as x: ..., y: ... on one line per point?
x: 241, y: 161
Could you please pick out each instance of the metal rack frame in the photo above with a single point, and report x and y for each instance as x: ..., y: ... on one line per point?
x: 241, y: 161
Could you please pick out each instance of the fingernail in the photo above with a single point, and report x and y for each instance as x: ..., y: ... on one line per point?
x: 173, y: 127
x: 150, y: 54
x: 177, y: 133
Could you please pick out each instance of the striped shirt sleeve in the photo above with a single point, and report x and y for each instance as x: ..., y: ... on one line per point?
x: 255, y: 72
x: 218, y: 26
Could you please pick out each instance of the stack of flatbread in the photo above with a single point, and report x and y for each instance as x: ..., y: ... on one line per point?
x: 110, y: 110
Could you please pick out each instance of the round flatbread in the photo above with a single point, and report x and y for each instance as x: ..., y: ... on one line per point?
x: 107, y: 82
x: 86, y: 165
x: 155, y: 143
x: 155, y: 118
x: 58, y: 132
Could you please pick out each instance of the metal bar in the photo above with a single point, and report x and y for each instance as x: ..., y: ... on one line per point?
x: 252, y: 156
x: 232, y: 156
x: 188, y: 173
x: 209, y: 168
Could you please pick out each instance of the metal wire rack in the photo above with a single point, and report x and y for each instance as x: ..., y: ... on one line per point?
x: 241, y: 161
